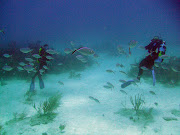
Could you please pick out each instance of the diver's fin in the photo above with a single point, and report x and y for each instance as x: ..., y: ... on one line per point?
x: 127, y: 83
x: 41, y: 84
x: 32, y: 86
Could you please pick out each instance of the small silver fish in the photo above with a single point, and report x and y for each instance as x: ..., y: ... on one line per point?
x: 67, y: 50
x: 29, y: 59
x: 32, y: 64
x: 60, y: 64
x: 123, y: 81
x: 110, y: 71
x: 45, y: 67
x: 122, y: 91
x: 95, y: 55
x: 49, y: 57
x: 141, y: 47
x: 110, y: 84
x: 50, y: 51
x: 134, y: 65
x: 7, y: 55
x: 123, y: 72
x: 61, y: 83
x: 84, y: 51
x: 152, y: 92
x: 37, y: 56
x: 119, y: 65
x: 7, y: 68
x: 95, y: 99
x: 80, y: 57
x: 41, y: 71
x: 26, y: 50
x: 28, y: 68
x: 120, y: 49
x: 175, y: 69
x: 20, y: 68
x: 156, y: 103
x: 22, y: 64
x: 164, y: 56
x: 107, y: 87
x: 144, y: 68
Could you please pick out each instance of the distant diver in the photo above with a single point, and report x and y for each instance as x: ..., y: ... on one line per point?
x: 42, y: 62
x: 156, y: 48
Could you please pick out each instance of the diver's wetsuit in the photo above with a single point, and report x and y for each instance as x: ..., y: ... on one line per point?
x: 42, y: 62
x: 154, y: 50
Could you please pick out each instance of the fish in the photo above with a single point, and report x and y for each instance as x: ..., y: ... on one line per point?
x: 67, y: 50
x: 32, y: 64
x: 120, y: 50
x: 60, y: 64
x: 49, y: 57
x: 132, y: 44
x: 26, y: 50
x: 7, y: 68
x: 165, y: 66
x: 164, y: 56
x: 22, y: 64
x: 156, y: 103
x: 50, y: 51
x: 119, y: 65
x: 122, y: 91
x: 127, y: 83
x: 37, y: 56
x: 83, y: 61
x: 141, y: 47
x: 123, y: 72
x: 134, y: 65
x: 123, y: 81
x: 29, y: 59
x: 28, y: 68
x: 80, y: 57
x: 61, y: 83
x: 95, y: 55
x: 144, y: 68
x: 41, y: 71
x: 107, y: 87
x: 72, y: 43
x: 175, y: 69
x: 152, y: 92
x: 110, y: 71
x: 20, y: 68
x: 95, y: 99
x: 84, y: 51
x: 170, y: 118
x: 45, y: 67
x: 156, y: 65
x: 110, y: 84
x: 7, y: 55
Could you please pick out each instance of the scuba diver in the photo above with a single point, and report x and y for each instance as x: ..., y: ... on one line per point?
x: 42, y: 62
x: 156, y: 49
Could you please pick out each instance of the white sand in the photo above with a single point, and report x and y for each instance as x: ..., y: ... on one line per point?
x: 84, y: 116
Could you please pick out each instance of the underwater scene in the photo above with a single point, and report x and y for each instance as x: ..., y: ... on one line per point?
x: 89, y: 67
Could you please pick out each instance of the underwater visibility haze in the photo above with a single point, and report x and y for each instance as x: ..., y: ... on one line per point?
x: 89, y: 67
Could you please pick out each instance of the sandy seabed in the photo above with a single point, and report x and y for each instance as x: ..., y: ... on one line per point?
x: 83, y: 116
